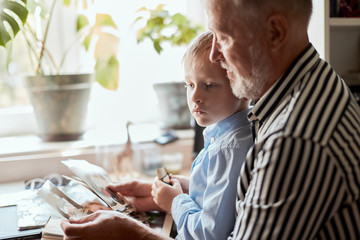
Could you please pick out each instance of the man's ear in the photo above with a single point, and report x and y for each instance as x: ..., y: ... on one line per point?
x: 278, y: 29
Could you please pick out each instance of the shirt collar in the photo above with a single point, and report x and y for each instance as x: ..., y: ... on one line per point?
x: 304, y: 63
x: 229, y: 124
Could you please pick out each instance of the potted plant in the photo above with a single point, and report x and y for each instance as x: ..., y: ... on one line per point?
x: 177, y: 30
x: 162, y: 27
x: 60, y: 100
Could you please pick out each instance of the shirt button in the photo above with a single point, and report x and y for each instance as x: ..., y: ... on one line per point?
x: 212, y: 140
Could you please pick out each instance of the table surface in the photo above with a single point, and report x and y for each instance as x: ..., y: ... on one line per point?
x: 12, y: 193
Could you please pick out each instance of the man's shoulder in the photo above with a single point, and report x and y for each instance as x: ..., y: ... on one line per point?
x: 316, y: 110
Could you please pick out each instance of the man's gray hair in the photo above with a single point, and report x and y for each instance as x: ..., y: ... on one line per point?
x: 297, y: 9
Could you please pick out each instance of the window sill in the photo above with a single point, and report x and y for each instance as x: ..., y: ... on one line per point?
x: 26, y: 157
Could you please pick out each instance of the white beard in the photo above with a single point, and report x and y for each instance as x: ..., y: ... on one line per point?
x: 253, y: 86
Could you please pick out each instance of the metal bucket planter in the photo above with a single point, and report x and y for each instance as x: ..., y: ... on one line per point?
x: 60, y: 104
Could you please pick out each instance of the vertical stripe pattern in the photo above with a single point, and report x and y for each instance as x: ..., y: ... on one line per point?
x: 301, y: 179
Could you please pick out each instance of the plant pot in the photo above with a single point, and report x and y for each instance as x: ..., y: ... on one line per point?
x: 175, y: 112
x: 60, y: 104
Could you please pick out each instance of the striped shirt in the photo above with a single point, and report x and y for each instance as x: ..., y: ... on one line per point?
x: 301, y: 179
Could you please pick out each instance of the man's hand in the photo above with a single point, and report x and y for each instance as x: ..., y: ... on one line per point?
x: 164, y: 194
x: 109, y: 225
x: 138, y: 194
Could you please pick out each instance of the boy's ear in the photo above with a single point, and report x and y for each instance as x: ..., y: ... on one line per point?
x: 277, y: 27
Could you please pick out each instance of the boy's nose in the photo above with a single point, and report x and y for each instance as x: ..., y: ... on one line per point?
x: 196, y: 96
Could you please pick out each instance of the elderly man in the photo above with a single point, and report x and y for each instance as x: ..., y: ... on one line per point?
x: 302, y: 176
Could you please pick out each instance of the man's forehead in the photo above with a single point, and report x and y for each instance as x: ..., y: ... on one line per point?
x: 219, y: 25
x: 218, y: 13
x: 218, y: 5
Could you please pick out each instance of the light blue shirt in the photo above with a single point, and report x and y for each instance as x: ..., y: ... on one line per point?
x: 208, y: 212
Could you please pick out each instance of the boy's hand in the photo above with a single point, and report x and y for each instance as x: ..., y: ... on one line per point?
x: 184, y: 182
x: 164, y: 194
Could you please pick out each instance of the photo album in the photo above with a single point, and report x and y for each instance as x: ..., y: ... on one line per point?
x: 68, y: 203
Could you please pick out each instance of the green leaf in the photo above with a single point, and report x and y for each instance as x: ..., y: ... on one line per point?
x: 16, y: 8
x: 4, y: 34
x: 160, y: 7
x: 142, y: 9
x: 107, y: 66
x: 107, y: 45
x: 179, y: 19
x: 157, y: 46
x: 141, y: 34
x: 163, y: 14
x: 161, y: 27
x: 66, y: 2
x: 81, y: 22
x: 107, y: 72
x: 137, y: 19
x: 104, y: 20
x: 87, y: 41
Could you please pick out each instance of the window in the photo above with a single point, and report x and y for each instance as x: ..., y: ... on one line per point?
x: 140, y: 67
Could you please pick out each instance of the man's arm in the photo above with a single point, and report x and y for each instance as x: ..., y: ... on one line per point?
x: 283, y: 192
x: 110, y: 225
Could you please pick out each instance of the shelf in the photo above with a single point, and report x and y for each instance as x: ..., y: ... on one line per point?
x: 344, y: 22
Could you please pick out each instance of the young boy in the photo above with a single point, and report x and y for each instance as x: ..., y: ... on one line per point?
x: 207, y: 211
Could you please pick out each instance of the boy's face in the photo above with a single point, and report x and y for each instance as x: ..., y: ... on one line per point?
x: 209, y: 95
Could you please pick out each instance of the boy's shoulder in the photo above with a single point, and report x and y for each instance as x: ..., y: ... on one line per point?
x: 239, y: 137
x: 231, y: 146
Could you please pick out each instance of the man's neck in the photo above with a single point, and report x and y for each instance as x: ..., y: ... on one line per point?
x: 284, y: 57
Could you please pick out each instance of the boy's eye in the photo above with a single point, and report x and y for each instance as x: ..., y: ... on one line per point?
x: 189, y: 85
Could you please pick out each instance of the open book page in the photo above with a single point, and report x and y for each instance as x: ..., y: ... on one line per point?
x: 32, y: 213
x: 60, y: 201
x: 97, y: 179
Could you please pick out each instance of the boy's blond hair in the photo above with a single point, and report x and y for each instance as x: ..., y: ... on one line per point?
x: 199, y: 50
